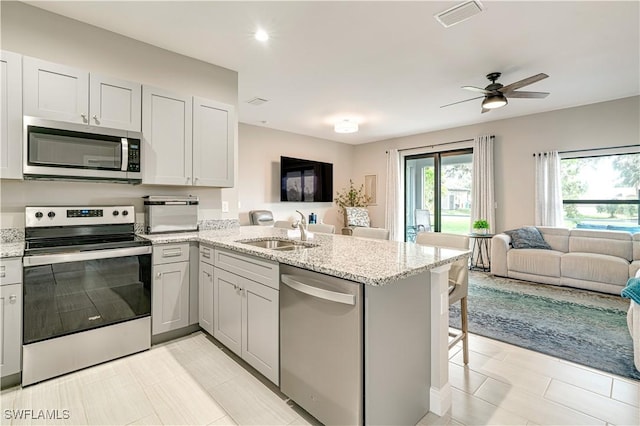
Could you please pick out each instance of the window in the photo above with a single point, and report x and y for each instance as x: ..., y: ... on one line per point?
x: 601, y: 191
x: 438, y: 192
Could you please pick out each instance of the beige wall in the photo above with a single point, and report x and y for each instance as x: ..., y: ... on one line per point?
x: 607, y: 124
x: 34, y: 32
x: 259, y: 171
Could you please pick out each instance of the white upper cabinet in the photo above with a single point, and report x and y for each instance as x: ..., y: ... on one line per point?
x: 59, y: 92
x: 187, y: 140
x: 213, y: 143
x: 166, y: 129
x: 55, y: 91
x: 115, y: 103
x: 10, y: 115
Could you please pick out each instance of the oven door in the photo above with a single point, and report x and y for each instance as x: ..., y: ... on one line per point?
x: 66, y: 293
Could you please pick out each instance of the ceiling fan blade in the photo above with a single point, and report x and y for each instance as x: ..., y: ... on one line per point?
x: 484, y: 110
x: 459, y: 102
x: 477, y: 89
x: 522, y: 94
x: 518, y: 84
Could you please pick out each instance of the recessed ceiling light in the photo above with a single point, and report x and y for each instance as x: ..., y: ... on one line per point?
x: 346, y: 126
x: 261, y: 35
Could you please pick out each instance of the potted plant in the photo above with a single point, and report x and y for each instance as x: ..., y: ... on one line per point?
x: 351, y: 197
x: 480, y: 226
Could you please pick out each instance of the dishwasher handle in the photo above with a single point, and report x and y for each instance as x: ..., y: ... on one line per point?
x: 321, y: 293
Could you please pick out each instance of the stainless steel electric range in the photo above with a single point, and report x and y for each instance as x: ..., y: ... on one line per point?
x: 87, y: 289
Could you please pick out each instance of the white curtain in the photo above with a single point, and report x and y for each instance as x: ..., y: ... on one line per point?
x: 482, y: 195
x: 393, y: 216
x: 548, y: 191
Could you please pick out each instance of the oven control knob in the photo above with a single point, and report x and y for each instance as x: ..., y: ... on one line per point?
x: 125, y: 213
x: 116, y: 212
x: 39, y: 215
x: 51, y: 215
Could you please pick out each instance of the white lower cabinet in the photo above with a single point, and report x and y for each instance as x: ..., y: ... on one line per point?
x: 205, y: 287
x: 246, y: 314
x: 170, y: 291
x: 227, y: 297
x: 10, y: 316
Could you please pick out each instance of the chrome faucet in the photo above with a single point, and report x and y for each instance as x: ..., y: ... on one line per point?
x: 302, y: 224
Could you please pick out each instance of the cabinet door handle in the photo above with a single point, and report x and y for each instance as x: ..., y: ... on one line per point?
x: 206, y: 253
x: 13, y: 298
x: 159, y: 275
x: 84, y: 117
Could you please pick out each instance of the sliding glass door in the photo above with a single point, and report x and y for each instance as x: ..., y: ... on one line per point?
x: 438, y: 192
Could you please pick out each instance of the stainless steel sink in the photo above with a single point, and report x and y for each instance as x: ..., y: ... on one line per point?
x: 279, y: 244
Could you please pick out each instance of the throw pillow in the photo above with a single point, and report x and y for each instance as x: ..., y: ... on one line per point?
x: 357, y: 216
x: 527, y: 237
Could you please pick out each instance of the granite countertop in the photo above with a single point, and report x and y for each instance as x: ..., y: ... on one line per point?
x: 14, y: 249
x: 363, y: 260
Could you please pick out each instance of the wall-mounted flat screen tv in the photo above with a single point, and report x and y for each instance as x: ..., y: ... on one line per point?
x: 305, y: 180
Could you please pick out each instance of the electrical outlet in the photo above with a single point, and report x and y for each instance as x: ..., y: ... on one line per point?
x: 225, y: 207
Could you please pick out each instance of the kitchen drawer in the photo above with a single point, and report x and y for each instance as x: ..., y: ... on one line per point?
x: 10, y: 271
x: 170, y: 253
x: 206, y: 254
x: 260, y: 270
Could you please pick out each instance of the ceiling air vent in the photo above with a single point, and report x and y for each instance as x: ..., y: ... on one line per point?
x: 257, y: 101
x: 459, y: 13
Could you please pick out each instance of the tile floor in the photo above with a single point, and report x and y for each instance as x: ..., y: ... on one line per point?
x: 193, y: 380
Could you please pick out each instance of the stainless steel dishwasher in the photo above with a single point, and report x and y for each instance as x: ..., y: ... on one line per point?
x: 321, y: 345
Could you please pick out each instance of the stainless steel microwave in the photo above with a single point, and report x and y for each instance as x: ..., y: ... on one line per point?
x: 68, y: 151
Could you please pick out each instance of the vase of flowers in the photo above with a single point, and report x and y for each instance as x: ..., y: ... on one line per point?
x: 351, y: 197
x: 480, y: 226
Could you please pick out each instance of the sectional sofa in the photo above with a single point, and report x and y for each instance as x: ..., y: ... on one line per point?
x: 588, y: 259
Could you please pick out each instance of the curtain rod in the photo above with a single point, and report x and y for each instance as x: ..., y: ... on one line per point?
x: 598, y: 149
x: 591, y: 149
x: 438, y: 144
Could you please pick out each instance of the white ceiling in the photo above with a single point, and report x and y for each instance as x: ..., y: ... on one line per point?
x: 390, y: 65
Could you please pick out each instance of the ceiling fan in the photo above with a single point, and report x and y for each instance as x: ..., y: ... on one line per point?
x: 495, y: 94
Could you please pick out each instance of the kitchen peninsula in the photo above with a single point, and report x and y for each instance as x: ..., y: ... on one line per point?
x: 405, y: 324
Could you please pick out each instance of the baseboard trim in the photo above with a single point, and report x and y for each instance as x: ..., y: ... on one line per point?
x: 440, y: 399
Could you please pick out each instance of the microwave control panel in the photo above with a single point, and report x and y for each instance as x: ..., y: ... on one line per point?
x: 134, y: 156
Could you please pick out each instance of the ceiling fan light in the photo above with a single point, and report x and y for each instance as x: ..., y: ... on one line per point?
x: 494, y: 101
x: 346, y: 126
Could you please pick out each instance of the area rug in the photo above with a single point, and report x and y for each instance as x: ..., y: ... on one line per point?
x: 581, y: 326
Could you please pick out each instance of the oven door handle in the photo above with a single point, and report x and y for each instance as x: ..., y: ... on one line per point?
x: 49, y: 259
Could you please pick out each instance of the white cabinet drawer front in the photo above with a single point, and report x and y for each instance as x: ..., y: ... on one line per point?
x: 206, y: 254
x: 170, y: 253
x: 259, y: 270
x: 10, y: 271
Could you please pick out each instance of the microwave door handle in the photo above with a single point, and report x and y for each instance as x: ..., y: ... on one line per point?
x: 125, y: 154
